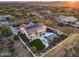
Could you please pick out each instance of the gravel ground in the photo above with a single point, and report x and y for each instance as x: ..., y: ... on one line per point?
x: 23, y: 51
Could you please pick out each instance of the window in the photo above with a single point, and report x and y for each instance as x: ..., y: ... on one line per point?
x: 43, y: 33
x: 7, y: 18
x: 40, y: 34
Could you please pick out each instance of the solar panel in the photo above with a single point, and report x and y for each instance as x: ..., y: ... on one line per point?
x: 32, y: 26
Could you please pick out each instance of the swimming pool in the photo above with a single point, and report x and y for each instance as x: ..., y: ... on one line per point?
x: 50, y: 36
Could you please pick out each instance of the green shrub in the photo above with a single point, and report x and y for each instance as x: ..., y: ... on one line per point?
x: 16, y: 37
x: 34, y: 49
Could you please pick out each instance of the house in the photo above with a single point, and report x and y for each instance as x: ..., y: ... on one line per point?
x: 33, y: 31
x: 28, y: 20
x: 67, y: 19
x: 15, y: 24
x: 46, y: 11
x: 32, y: 13
x: 4, y: 19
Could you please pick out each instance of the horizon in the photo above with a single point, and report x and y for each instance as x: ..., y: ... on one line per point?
x: 56, y: 3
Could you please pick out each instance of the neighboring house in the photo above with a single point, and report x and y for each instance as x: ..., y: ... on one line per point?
x: 4, y: 19
x: 46, y: 11
x: 33, y: 31
x: 15, y: 24
x: 42, y: 18
x: 28, y: 20
x: 67, y: 19
x: 32, y: 14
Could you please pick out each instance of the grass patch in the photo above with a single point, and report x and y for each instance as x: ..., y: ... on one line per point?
x: 38, y: 44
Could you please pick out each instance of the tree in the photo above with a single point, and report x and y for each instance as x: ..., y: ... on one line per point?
x: 6, y: 31
x: 35, y: 19
x: 34, y: 49
x: 16, y: 37
x: 48, y: 23
x: 1, y: 46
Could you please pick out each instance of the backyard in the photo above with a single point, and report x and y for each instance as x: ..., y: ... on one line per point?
x: 38, y: 44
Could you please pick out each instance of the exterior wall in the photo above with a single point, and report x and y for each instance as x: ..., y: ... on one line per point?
x: 23, y: 30
x: 41, y: 32
x: 67, y: 19
x: 33, y: 36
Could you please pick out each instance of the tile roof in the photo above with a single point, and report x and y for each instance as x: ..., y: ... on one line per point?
x: 32, y: 26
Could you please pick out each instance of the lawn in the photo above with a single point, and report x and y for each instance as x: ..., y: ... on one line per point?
x: 38, y: 44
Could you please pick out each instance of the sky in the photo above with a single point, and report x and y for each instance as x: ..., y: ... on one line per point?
x: 59, y: 3
x: 71, y: 4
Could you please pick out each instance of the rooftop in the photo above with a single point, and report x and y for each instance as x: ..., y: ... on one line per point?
x: 4, y: 17
x: 68, y: 18
x: 32, y: 26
